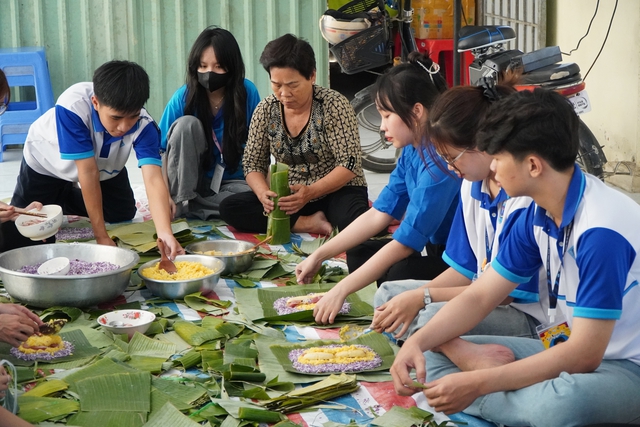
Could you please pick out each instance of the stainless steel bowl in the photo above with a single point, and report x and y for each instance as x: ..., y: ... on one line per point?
x: 234, y: 264
x: 172, y: 289
x: 75, y: 291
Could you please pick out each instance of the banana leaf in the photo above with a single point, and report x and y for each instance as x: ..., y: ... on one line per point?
x: 194, y: 334
x: 99, y: 368
x: 318, y: 393
x: 124, y: 392
x: 47, y: 388
x: 229, y: 330
x: 258, y: 304
x: 378, y: 342
x: 58, y: 312
x: 212, y: 359
x: 397, y: 416
x: 199, y: 302
x: 83, y: 351
x: 187, y: 394
x: 146, y: 363
x: 188, y: 360
x: 168, y: 415
x: 141, y: 345
x: 279, y: 223
x: 35, y: 409
x: 268, y: 362
x: 160, y: 398
x: 172, y: 337
x: 108, y: 419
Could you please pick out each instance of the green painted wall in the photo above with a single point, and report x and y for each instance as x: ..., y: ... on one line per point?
x: 80, y: 35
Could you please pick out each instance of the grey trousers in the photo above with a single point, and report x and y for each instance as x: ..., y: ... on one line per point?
x: 503, y: 320
x: 610, y: 394
x: 189, y: 184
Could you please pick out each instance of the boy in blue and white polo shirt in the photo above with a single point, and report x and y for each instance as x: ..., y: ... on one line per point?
x: 86, y: 139
x: 587, y: 237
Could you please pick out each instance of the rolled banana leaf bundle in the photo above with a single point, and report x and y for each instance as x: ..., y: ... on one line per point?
x: 279, y: 225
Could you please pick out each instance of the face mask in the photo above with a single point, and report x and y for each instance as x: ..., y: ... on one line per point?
x: 213, y: 81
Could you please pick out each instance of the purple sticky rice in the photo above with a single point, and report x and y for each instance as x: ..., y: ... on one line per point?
x: 77, y: 267
x: 330, y: 368
x: 67, y: 350
x: 281, y: 307
x: 75, y: 233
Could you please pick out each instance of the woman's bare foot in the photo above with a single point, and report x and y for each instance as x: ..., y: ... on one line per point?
x: 316, y: 223
x: 469, y: 356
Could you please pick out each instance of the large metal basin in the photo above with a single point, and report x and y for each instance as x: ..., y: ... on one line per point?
x: 74, y: 291
x: 173, y: 289
x: 233, y: 264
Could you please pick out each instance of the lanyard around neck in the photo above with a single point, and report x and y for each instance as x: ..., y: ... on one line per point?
x: 218, y: 145
x: 553, y: 290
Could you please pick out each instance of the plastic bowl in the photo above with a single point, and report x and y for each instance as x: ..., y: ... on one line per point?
x: 127, y: 321
x: 173, y: 289
x: 71, y: 291
x: 36, y: 228
x: 233, y: 264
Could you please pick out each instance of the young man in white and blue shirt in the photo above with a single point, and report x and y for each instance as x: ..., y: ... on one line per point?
x: 587, y: 236
x: 86, y: 139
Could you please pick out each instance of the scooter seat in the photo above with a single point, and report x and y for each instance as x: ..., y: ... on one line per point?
x: 552, y: 74
x: 475, y: 37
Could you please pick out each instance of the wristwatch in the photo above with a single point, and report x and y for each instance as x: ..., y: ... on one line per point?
x: 427, y: 297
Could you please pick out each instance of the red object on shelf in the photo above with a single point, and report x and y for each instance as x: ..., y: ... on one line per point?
x: 441, y: 52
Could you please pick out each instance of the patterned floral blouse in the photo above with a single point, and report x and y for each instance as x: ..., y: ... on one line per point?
x: 329, y: 139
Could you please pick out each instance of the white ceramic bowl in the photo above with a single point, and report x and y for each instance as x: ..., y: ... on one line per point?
x: 127, y: 321
x: 58, y: 266
x: 37, y: 228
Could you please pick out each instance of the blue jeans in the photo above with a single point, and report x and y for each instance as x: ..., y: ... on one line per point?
x: 503, y: 320
x: 610, y: 394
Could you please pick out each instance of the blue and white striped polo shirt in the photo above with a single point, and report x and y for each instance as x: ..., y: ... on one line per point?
x: 479, y: 227
x: 72, y: 130
x: 600, y: 267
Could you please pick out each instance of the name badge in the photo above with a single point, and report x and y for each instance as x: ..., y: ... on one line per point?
x: 554, y: 333
x: 216, y: 181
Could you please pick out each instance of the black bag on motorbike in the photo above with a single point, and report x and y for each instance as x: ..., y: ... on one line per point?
x: 359, y: 38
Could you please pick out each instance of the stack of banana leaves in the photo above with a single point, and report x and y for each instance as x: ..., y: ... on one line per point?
x: 279, y: 224
x: 141, y: 237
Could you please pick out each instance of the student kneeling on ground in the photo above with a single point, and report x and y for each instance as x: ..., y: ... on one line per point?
x: 587, y: 237
x: 86, y: 139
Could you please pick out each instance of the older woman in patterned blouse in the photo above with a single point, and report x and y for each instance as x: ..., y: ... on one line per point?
x: 314, y: 131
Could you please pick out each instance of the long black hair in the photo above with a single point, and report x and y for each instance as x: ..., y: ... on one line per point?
x: 197, y: 104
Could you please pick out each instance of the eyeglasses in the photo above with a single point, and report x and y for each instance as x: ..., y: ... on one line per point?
x: 451, y: 162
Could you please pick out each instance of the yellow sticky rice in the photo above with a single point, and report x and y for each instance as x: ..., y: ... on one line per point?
x: 369, y: 355
x: 186, y: 270
x: 52, y: 342
x: 216, y: 253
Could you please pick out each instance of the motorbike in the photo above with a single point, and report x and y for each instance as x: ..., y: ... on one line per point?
x: 540, y: 68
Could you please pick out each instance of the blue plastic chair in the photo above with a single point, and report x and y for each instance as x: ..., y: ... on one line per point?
x: 24, y: 66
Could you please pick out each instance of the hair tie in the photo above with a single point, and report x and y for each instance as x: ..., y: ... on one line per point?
x: 488, y: 84
x: 433, y: 69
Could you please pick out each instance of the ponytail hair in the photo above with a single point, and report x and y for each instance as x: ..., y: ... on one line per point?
x: 407, y: 84
x: 454, y: 119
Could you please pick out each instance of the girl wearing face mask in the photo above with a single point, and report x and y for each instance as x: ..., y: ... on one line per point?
x: 204, y: 127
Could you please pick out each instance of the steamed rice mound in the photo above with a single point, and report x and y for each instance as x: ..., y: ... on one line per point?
x: 187, y: 270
